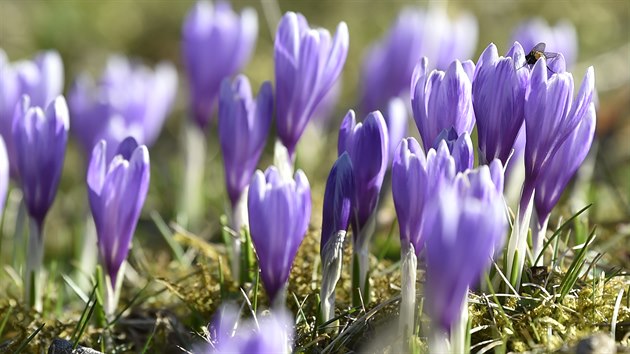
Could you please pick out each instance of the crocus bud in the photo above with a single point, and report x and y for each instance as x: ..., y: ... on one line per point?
x: 464, y: 224
x: 279, y: 212
x: 271, y: 333
x: 460, y: 148
x: 559, y: 169
x: 243, y: 128
x: 130, y: 99
x: 396, y: 120
x: 216, y: 44
x: 40, y: 139
x: 389, y: 63
x: 410, y: 185
x: 41, y: 79
x: 441, y: 100
x: 498, y: 95
x: 367, y: 144
x: 307, y: 63
x: 4, y: 175
x: 117, y: 190
x: 561, y: 38
x: 551, y: 115
x: 337, y: 211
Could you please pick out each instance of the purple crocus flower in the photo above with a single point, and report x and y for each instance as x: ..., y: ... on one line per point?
x: 367, y: 145
x: 396, y: 121
x: 4, y: 175
x: 460, y: 147
x: 272, y: 333
x: 216, y: 44
x: 338, y: 198
x: 243, y: 128
x: 279, y: 212
x: 389, y: 63
x: 41, y: 79
x: 409, y: 189
x: 40, y: 139
x: 561, y: 38
x: 465, y: 223
x: 337, y: 211
x: 117, y: 190
x: 307, y: 63
x: 129, y: 100
x: 551, y: 115
x: 498, y: 95
x: 441, y: 100
x: 561, y: 167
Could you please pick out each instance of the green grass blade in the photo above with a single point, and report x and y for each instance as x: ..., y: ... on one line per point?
x: 166, y: 233
x: 5, y: 319
x: 29, y: 339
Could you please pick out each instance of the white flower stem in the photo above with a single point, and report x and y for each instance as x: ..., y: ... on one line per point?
x: 408, y: 292
x: 332, y: 261
x: 538, y: 240
x: 517, y: 244
x: 112, y: 292
x: 34, y: 259
x: 282, y: 160
x: 459, y: 331
x: 238, y: 220
x: 89, y: 255
x: 280, y: 300
x: 190, y: 209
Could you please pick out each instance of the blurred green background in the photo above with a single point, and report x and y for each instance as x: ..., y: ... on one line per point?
x: 86, y: 32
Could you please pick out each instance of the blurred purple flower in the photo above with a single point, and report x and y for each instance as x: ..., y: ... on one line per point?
x: 551, y: 115
x: 40, y: 139
x: 41, y: 79
x: 307, y: 64
x: 117, y: 190
x: 338, y: 198
x: 409, y: 189
x: 4, y: 175
x: 389, y: 63
x: 465, y: 223
x: 216, y: 44
x: 561, y: 38
x: 279, y: 212
x: 396, y: 120
x: 460, y: 147
x: 441, y: 100
x: 367, y: 145
x: 243, y: 128
x: 498, y: 95
x: 272, y: 333
x: 129, y: 100
x: 559, y: 169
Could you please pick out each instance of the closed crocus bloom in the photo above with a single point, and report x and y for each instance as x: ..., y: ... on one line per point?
x: 389, y: 63
x: 396, y: 121
x: 41, y: 79
x: 498, y: 95
x: 441, y: 100
x: 559, y: 169
x: 367, y: 145
x: 460, y: 148
x: 216, y: 44
x: 40, y: 139
x: 279, y: 212
x: 271, y: 333
x: 243, y: 128
x: 409, y: 189
x: 130, y: 99
x: 561, y: 38
x: 307, y: 63
x: 4, y: 175
x: 336, y: 214
x: 551, y: 114
x: 464, y: 225
x: 117, y: 190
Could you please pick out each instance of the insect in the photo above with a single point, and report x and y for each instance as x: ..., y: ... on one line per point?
x: 539, y: 52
